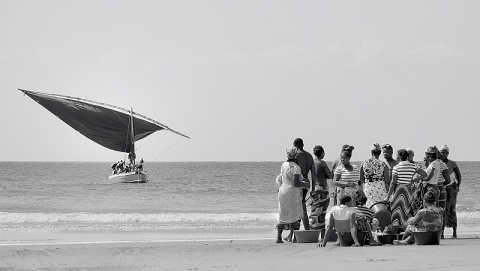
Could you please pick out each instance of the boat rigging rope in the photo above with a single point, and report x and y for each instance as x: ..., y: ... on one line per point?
x: 181, y: 138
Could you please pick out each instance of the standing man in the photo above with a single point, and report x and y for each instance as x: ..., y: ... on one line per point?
x: 305, y: 162
x: 387, y: 150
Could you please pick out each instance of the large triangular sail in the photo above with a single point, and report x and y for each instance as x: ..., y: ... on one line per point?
x: 104, y: 124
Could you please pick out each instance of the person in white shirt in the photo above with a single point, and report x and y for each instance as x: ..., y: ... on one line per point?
x: 343, y: 219
x: 433, y: 172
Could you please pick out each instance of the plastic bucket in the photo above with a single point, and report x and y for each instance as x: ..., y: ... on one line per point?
x: 310, y: 236
x: 380, y: 206
x: 427, y: 237
x: 382, y: 212
x: 387, y: 239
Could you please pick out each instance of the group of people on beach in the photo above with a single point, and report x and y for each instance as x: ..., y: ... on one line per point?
x: 421, y: 196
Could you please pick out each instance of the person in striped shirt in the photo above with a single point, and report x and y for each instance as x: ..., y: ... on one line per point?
x: 365, y: 218
x: 402, y: 188
x: 346, y: 176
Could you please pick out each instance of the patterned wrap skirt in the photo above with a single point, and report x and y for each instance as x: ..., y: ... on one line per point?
x: 402, y: 204
x: 375, y: 192
x: 289, y: 205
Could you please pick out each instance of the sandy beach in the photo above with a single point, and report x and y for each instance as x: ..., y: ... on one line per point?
x: 147, y: 251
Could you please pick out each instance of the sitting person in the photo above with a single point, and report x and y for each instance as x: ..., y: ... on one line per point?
x: 428, y: 219
x: 342, y: 218
x: 365, y: 218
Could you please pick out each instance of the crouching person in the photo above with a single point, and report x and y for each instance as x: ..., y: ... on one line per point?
x: 428, y: 219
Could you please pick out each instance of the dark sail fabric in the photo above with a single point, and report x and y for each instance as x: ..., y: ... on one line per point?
x: 107, y: 125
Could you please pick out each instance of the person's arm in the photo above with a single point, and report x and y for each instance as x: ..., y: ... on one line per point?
x: 431, y: 173
x: 326, y: 171
x: 298, y: 181
x: 313, y: 174
x: 421, y: 175
x: 458, y: 176
x: 392, y: 187
x: 362, y: 175
x: 353, y: 229
x: 414, y: 220
x: 328, y: 232
x: 336, y: 181
x: 386, y: 177
x: 446, y: 176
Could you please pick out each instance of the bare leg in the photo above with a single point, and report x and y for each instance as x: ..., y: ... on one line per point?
x: 306, y: 222
x: 279, y: 236
x: 279, y: 233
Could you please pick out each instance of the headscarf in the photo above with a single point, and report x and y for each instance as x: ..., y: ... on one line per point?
x: 291, y: 153
x: 445, y: 149
x: 431, y: 149
x: 376, y: 147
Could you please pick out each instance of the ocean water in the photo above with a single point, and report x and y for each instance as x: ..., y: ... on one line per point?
x: 68, y: 196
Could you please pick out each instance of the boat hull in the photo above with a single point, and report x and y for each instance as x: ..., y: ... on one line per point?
x: 129, y: 177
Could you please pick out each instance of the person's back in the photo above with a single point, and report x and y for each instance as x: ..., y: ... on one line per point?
x: 321, y: 171
x: 304, y: 161
x: 432, y: 220
x: 341, y: 214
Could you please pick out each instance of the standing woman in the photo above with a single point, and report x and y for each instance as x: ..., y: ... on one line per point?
x: 374, y: 175
x: 402, y: 188
x: 346, y: 175
x: 452, y: 191
x: 290, y: 195
x: 320, y: 194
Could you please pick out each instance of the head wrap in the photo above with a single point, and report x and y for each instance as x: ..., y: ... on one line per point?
x: 431, y: 149
x: 445, y: 149
x: 291, y: 152
x: 376, y: 147
x: 387, y: 146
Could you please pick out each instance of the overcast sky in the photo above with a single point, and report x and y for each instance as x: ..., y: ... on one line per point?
x: 244, y: 78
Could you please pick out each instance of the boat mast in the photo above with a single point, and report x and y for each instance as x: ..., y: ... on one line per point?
x: 132, y: 148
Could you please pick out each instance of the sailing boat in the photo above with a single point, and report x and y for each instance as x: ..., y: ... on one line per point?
x: 111, y: 126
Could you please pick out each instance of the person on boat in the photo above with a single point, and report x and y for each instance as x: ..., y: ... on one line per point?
x: 387, y: 150
x: 452, y: 190
x: 428, y: 219
x: 335, y: 163
x: 342, y: 218
x: 346, y: 176
x: 321, y: 194
x: 120, y: 167
x: 114, y: 168
x: 305, y: 162
x: 291, y: 184
x: 374, y: 175
x: 132, y: 157
x: 402, y: 188
x: 140, y: 166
